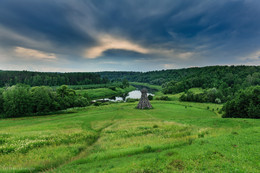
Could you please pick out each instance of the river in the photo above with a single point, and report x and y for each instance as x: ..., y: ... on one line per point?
x: 136, y: 94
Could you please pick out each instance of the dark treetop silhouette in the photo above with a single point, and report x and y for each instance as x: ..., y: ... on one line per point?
x: 144, y: 101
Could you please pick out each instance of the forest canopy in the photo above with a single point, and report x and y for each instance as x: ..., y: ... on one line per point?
x: 21, y: 100
x: 246, y: 104
x: 9, y: 78
x: 235, y: 86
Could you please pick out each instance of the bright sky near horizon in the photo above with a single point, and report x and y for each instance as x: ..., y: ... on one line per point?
x: 127, y: 35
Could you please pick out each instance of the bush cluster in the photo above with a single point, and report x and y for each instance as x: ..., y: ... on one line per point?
x: 49, y: 79
x: 226, y: 80
x: 21, y: 100
x: 244, y: 105
x: 212, y: 95
x: 129, y: 100
x: 166, y: 98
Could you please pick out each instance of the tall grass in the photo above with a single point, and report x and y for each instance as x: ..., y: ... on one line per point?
x: 172, y: 137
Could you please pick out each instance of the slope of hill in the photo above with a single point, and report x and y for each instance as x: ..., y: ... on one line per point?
x: 172, y: 137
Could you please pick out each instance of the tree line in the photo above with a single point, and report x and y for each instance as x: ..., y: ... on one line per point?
x: 22, y: 100
x: 211, y: 95
x: 207, y: 77
x: 9, y: 78
x: 236, y: 86
x: 210, y: 76
x: 246, y: 104
x: 221, y: 84
x: 226, y: 81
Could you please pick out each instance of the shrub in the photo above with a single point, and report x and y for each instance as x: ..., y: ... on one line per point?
x: 112, y: 88
x: 21, y: 100
x: 244, y: 105
x: 131, y: 100
x: 80, y: 102
x: 97, y: 104
x: 125, y: 83
x: 105, y: 103
x: 150, y: 97
x: 217, y: 100
x: 1, y: 101
x: 17, y: 101
x: 166, y: 98
x: 211, y: 95
x: 42, y: 99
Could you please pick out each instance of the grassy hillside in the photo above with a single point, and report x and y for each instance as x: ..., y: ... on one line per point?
x: 100, y: 93
x: 171, y: 137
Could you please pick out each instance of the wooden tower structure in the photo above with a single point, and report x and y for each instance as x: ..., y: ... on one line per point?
x: 144, y: 101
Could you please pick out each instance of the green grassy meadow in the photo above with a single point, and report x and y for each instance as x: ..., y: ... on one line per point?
x: 100, y: 93
x: 172, y: 137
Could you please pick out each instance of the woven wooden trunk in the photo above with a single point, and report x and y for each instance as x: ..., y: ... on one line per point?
x: 144, y: 101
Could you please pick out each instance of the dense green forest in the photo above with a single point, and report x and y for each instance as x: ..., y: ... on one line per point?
x: 220, y: 82
x: 246, y: 104
x: 9, y: 78
x: 21, y: 100
x: 237, y: 86
x: 207, y: 77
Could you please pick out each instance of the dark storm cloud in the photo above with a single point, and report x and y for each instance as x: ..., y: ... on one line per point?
x: 42, y: 20
x: 186, y: 19
x: 183, y: 33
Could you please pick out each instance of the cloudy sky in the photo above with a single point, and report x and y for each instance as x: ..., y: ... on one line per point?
x: 129, y: 35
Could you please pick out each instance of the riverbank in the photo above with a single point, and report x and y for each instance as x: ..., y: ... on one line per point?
x: 100, y: 93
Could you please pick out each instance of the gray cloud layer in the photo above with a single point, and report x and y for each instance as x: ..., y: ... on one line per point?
x: 127, y: 35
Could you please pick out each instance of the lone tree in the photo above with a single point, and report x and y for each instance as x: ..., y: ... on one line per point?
x: 144, y: 101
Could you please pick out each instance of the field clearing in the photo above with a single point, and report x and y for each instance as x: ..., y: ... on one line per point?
x: 174, y: 136
x: 100, y: 93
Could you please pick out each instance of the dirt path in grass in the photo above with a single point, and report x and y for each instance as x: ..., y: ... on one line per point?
x: 86, y: 150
